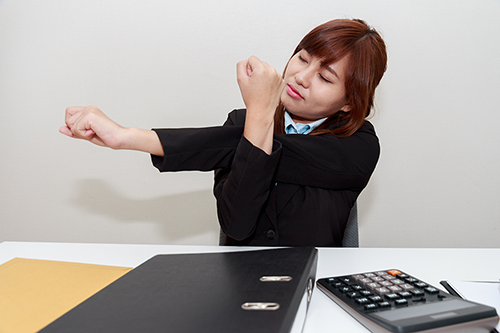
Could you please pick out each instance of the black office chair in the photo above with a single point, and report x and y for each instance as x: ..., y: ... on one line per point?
x: 351, y: 233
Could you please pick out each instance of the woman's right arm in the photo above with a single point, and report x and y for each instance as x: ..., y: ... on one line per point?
x: 261, y: 88
x: 91, y: 124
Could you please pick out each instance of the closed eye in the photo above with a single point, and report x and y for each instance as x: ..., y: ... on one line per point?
x: 324, y: 79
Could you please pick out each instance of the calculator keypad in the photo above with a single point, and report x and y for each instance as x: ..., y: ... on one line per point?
x: 383, y: 290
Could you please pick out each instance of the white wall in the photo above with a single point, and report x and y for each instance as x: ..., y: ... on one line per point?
x: 172, y: 63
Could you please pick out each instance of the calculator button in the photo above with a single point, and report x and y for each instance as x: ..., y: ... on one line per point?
x: 376, y: 299
x: 365, y: 292
x: 382, y: 290
x: 419, y: 300
x: 377, y: 279
x: 362, y: 300
x: 406, y: 294
x: 373, y: 285
x: 385, y: 283
x: 384, y: 305
x: 337, y: 284
x: 358, y: 276
x: 353, y: 294
x: 421, y: 284
x: 394, y: 289
x: 382, y: 273
x: 402, y: 276
x: 407, y: 286
x: 347, y: 280
x: 411, y: 280
x: 392, y: 296
x: 389, y: 277
x: 432, y: 290
x: 345, y: 289
x: 366, y: 280
x: 369, y: 275
x: 401, y: 302
x: 397, y: 281
x: 370, y: 306
x: 356, y: 287
x: 394, y: 272
x: 417, y: 292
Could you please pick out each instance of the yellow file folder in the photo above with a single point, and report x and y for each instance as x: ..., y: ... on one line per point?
x: 33, y: 293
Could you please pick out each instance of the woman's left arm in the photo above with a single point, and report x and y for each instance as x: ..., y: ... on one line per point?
x: 91, y: 124
x: 327, y: 161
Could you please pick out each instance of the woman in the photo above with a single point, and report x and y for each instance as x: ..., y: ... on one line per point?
x: 273, y: 188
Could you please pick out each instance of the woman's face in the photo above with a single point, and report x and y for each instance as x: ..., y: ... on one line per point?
x: 314, y: 91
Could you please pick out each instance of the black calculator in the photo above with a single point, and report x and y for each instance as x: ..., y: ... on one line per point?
x: 394, y: 301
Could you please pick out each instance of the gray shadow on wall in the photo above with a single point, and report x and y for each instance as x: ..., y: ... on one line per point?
x: 178, y: 216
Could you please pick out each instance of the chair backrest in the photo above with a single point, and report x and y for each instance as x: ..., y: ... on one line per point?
x: 222, y: 237
x: 351, y: 234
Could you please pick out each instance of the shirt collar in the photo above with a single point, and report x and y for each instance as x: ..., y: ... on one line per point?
x: 297, y: 128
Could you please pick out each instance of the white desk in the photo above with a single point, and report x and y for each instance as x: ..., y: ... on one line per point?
x: 430, y: 265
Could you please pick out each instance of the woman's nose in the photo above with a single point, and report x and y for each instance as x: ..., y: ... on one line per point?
x: 304, y: 77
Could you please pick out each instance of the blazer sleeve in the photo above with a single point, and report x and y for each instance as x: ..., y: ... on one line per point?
x: 327, y: 161
x: 202, y: 149
x: 243, y: 189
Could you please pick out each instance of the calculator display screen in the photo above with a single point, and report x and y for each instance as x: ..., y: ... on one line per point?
x: 439, y: 310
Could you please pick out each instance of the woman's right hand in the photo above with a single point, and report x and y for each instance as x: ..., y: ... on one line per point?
x: 260, y: 85
x: 261, y: 88
x: 91, y: 124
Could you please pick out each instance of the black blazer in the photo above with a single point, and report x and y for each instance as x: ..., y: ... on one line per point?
x: 300, y: 195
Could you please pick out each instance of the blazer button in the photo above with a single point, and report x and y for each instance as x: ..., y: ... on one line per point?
x: 271, y: 234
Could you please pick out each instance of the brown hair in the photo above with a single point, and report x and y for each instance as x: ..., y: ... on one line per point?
x: 366, y: 64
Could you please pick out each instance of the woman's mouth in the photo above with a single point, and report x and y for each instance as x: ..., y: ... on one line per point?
x: 293, y: 92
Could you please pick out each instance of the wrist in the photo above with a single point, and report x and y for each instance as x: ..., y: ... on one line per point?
x: 260, y: 115
x: 134, y: 138
x: 259, y: 129
x: 127, y: 138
